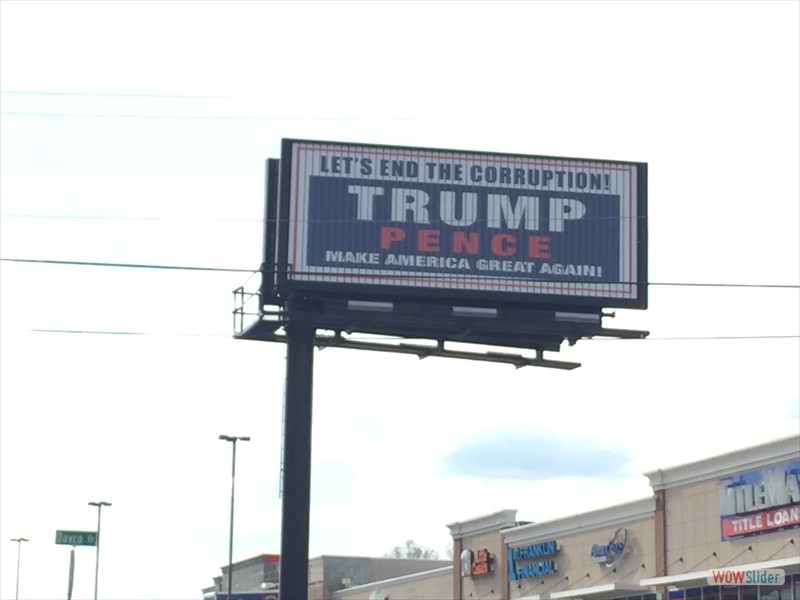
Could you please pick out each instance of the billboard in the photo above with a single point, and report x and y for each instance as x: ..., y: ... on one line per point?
x: 398, y: 221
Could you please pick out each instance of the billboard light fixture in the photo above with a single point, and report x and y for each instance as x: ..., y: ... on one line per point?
x: 474, y: 311
x: 577, y: 317
x: 370, y: 306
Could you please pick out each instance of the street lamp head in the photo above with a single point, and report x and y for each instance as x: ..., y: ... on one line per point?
x: 20, y: 540
x: 101, y: 503
x: 234, y: 438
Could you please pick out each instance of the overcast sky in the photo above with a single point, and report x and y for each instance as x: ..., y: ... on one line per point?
x: 136, y: 134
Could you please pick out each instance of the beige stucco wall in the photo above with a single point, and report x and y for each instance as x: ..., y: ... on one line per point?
x: 574, y: 559
x: 488, y: 585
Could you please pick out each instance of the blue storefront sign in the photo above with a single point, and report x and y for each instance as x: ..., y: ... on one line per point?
x: 532, y: 560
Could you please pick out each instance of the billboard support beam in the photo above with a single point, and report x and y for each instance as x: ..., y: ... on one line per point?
x: 296, y: 475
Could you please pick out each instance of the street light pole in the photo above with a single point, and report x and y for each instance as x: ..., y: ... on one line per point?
x: 233, y: 439
x: 19, y: 549
x: 99, y: 506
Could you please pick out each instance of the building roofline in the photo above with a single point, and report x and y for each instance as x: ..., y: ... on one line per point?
x: 394, y: 580
x: 484, y: 524
x: 347, y: 556
x: 723, y: 464
x: 619, y: 514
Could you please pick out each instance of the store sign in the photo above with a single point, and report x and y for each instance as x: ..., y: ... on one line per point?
x: 475, y: 563
x: 533, y: 560
x: 760, y: 501
x: 612, y: 552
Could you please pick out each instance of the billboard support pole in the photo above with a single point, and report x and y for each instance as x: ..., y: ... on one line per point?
x: 296, y: 484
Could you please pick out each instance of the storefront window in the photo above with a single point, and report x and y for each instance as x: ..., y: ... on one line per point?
x: 748, y: 592
x: 790, y: 590
x: 729, y: 592
x: 675, y: 595
x: 711, y: 592
x: 783, y: 592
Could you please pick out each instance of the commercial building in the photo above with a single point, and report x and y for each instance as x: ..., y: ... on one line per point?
x: 738, y: 512
x: 257, y: 578
x: 705, y: 524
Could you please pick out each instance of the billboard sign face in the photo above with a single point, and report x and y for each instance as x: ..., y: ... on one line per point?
x: 431, y: 222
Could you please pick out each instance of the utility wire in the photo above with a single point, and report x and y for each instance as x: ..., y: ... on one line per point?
x: 732, y: 285
x: 225, y: 97
x: 111, y: 95
x: 132, y: 333
x: 124, y: 265
x: 213, y: 117
x: 253, y: 271
x: 98, y: 218
x: 184, y: 268
x: 218, y: 335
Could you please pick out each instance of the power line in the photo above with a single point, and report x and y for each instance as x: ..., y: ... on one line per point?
x: 732, y: 285
x: 99, y: 218
x: 231, y: 270
x: 237, y: 97
x: 210, y: 117
x: 253, y: 271
x: 131, y: 333
x: 124, y: 265
x: 217, y: 335
x: 111, y: 95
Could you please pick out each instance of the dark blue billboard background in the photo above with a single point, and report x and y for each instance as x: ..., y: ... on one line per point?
x: 334, y: 230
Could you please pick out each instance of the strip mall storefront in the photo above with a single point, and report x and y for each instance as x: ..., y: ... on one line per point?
x: 736, y: 511
x: 739, y: 511
x: 601, y: 554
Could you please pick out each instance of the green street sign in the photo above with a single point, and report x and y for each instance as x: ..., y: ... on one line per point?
x: 76, y: 538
